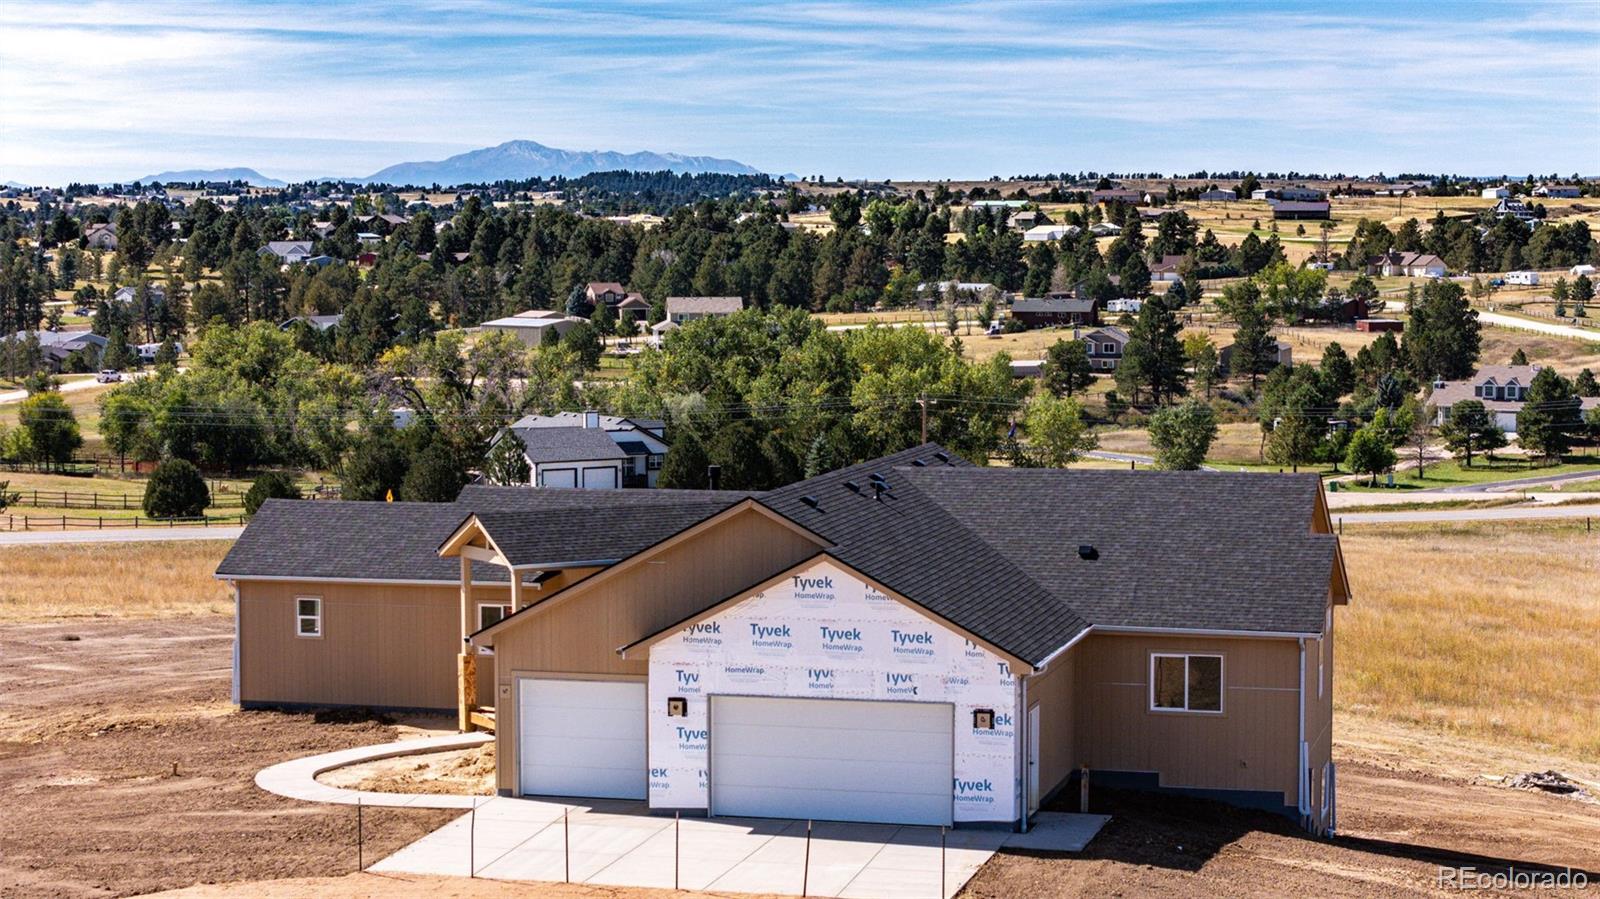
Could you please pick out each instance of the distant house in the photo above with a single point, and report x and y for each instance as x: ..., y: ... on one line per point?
x: 288, y: 251
x: 1501, y: 388
x: 1104, y: 347
x: 636, y: 304
x: 58, y: 346
x: 1028, y: 218
x: 158, y: 294
x: 1166, y: 268
x: 1105, y: 229
x: 1042, y: 233
x: 1301, y: 194
x: 1495, y: 193
x: 1406, y: 264
x: 687, y: 309
x: 1300, y: 209
x: 642, y: 441
x: 1525, y: 278
x: 1283, y: 354
x: 1040, y: 312
x: 1218, y: 195
x: 609, y: 292
x: 1118, y: 195
x: 1558, y: 191
x: 319, y: 322
x: 573, y: 456
x: 1584, y: 269
x: 931, y: 294
x: 1510, y: 206
x: 531, y: 326
x: 1345, y: 310
x: 1378, y: 325
x: 100, y: 236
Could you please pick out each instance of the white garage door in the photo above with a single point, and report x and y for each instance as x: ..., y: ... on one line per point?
x: 582, y: 738
x: 558, y: 477
x: 831, y: 759
x: 600, y: 478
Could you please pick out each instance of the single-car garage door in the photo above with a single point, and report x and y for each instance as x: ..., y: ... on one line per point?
x: 831, y: 759
x: 582, y: 738
x: 600, y: 478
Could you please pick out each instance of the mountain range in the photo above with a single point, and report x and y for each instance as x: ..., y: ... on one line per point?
x: 513, y: 160
x: 518, y: 159
x: 183, y: 176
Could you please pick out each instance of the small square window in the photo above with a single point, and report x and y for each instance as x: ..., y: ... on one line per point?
x: 1185, y: 683
x: 308, y: 616
x: 654, y: 462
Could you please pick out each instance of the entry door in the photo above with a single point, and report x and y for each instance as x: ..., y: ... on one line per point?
x: 832, y: 759
x: 582, y: 738
x: 1033, y: 758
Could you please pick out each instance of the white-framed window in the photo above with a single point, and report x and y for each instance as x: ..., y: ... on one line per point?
x: 1186, y: 682
x: 653, y: 461
x: 308, y: 616
x: 491, y: 613
x: 1109, y: 349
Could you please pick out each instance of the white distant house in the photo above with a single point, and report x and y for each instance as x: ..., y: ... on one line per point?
x: 1218, y: 196
x: 531, y: 326
x: 288, y: 251
x: 1585, y: 269
x: 1495, y: 193
x: 1410, y: 265
x: 1501, y: 388
x: 1166, y: 268
x: 1042, y: 233
x: 1558, y: 191
x: 641, y: 442
x: 688, y: 309
x: 1530, y: 279
x: 1105, y: 229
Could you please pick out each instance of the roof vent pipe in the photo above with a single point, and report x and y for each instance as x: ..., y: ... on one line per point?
x: 714, y: 477
x: 879, y: 488
x: 591, y: 419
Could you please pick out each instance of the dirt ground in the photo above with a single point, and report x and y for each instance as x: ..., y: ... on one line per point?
x: 124, y: 770
x: 461, y: 771
x: 93, y: 807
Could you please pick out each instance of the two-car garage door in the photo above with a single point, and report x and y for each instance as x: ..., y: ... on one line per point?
x: 831, y: 760
x: 582, y: 738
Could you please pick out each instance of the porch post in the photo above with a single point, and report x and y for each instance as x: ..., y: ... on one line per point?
x: 467, y: 659
x: 516, y: 590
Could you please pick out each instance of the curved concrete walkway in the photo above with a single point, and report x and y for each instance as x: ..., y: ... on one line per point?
x: 297, y: 779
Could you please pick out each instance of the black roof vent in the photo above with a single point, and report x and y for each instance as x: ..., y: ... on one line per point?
x: 942, y: 457
x: 879, y: 488
x: 877, y: 477
x: 852, y: 486
x: 919, y: 463
x: 810, y: 501
x: 1086, y: 551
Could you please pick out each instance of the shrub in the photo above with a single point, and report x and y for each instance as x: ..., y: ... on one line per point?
x: 272, y: 485
x: 176, y: 490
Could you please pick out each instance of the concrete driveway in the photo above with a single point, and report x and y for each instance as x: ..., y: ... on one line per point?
x: 620, y: 844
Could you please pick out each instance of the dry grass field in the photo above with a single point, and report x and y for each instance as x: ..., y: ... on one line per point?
x: 1481, y: 630
x: 112, y: 580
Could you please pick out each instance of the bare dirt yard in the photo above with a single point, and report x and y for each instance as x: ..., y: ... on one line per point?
x: 124, y: 769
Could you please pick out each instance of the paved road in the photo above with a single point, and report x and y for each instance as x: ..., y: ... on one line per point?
x: 1506, y: 513
x: 1517, y: 484
x: 1528, y: 324
x: 120, y: 535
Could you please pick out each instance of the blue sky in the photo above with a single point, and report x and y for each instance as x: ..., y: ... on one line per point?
x: 98, y: 91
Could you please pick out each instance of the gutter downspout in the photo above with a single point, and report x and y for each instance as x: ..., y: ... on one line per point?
x: 1303, y: 801
x: 234, y: 691
x: 1023, y: 742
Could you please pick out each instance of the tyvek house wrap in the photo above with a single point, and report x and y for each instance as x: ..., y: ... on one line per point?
x: 824, y: 633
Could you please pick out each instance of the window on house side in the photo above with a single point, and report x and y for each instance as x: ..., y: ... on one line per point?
x: 308, y: 616
x: 1185, y: 683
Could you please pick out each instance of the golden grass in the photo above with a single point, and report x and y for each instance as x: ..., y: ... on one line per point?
x: 1485, y: 630
x: 1236, y: 443
x: 112, y: 580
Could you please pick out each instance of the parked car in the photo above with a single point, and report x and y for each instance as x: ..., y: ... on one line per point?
x: 108, y: 376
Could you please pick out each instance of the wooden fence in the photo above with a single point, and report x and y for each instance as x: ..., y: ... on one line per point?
x: 72, y: 499
x: 65, y: 522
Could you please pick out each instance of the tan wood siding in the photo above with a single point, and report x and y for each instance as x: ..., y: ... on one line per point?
x: 1055, y: 692
x: 1252, y: 745
x: 581, y: 633
x: 382, y: 645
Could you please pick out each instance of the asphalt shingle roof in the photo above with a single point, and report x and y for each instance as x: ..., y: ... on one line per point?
x: 568, y: 444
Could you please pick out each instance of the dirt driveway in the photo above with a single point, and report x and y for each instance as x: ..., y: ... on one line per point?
x: 90, y: 729
x: 124, y: 769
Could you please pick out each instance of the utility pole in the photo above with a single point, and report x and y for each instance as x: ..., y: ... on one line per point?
x: 923, y: 401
